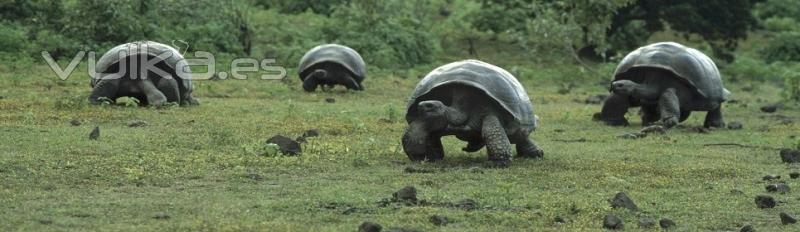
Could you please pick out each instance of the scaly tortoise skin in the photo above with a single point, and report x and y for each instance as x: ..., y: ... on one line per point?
x: 175, y: 85
x: 332, y: 64
x: 668, y: 81
x: 477, y: 102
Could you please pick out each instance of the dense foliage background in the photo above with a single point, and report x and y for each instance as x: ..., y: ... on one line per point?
x: 400, y: 35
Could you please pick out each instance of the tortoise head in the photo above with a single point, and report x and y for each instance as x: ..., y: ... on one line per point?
x: 624, y: 87
x: 434, y: 113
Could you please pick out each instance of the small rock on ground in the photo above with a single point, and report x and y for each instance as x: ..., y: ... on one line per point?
x: 779, y: 188
x: 330, y: 100
x: 790, y: 156
x: 735, y: 126
x: 622, y: 200
x: 402, y: 230
x: 286, y: 145
x: 414, y: 169
x: 794, y: 175
x: 666, y: 223
x: 612, y: 222
x: 764, y: 202
x: 769, y: 108
x: 311, y: 133
x: 161, y: 216
x: 466, y: 204
x: 654, y: 129
x: 137, y: 123
x: 559, y: 220
x: 787, y: 219
x: 635, y: 135
x: 370, y: 227
x: 75, y: 122
x: 647, y: 222
x: 95, y: 133
x: 406, y: 194
x: 439, y: 220
x: 747, y: 228
x: 770, y: 177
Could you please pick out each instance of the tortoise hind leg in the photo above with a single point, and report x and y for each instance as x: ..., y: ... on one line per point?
x: 152, y: 94
x: 169, y: 87
x: 714, y: 118
x: 497, y: 144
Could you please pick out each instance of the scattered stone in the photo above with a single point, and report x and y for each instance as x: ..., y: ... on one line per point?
x: 769, y: 108
x: 286, y: 145
x: 402, y: 230
x: 735, y: 126
x: 787, y: 219
x: 654, y: 129
x: 666, y: 223
x: 770, y: 177
x: 45, y: 221
x: 559, y: 220
x: 137, y: 123
x: 559, y: 130
x: 736, y: 192
x: 330, y: 100
x: 161, y: 216
x: 370, y: 227
x: 254, y: 176
x: 466, y: 204
x: 75, y: 122
x: 790, y: 156
x: 311, y: 133
x: 647, y: 223
x: 596, y: 99
x: 407, y: 194
x: 700, y: 129
x: 612, y: 222
x: 779, y: 188
x: 747, y: 228
x: 439, y: 220
x: 413, y: 169
x: 765, y: 202
x: 635, y: 135
x: 95, y: 133
x: 621, y: 200
x: 794, y: 175
x: 475, y: 169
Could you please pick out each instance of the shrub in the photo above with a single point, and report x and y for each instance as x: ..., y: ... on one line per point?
x: 785, y: 46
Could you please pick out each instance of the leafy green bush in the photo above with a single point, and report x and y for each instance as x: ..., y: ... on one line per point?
x: 746, y: 68
x: 778, y: 8
x: 779, y: 24
x: 12, y: 38
x: 392, y: 33
x: 785, y: 46
x: 324, y: 7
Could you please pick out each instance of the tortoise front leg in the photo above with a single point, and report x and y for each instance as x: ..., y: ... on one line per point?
x: 497, y: 144
x: 669, y: 107
x: 312, y: 80
x: 350, y: 82
x: 153, y: 95
x: 650, y: 115
x: 169, y: 87
x: 435, y: 149
x: 105, y: 88
x: 415, y: 141
x: 614, y: 110
x: 714, y: 118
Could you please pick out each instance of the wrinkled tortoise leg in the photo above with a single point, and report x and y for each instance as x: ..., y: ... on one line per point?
x: 650, y: 115
x: 473, y: 145
x: 435, y: 149
x: 714, y: 118
x: 169, y: 87
x: 351, y: 83
x: 153, y: 95
x: 497, y: 144
x: 614, y: 110
x: 310, y: 82
x: 669, y: 107
x: 526, y: 147
x: 189, y: 101
x: 105, y: 88
x: 415, y: 141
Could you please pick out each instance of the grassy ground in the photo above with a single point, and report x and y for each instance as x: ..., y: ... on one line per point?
x: 204, y: 168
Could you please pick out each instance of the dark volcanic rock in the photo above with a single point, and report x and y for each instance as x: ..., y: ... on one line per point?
x: 770, y: 177
x: 622, y: 200
x: 654, y: 129
x: 414, y: 169
x: 95, y: 133
x: 764, y: 202
x: 407, y: 194
x: 75, y: 122
x: 161, y: 216
x: 790, y: 156
x: 402, y: 230
x: 666, y: 223
x: 596, y: 99
x: 770, y: 108
x: 559, y: 220
x: 439, y: 220
x: 370, y: 227
x: 466, y: 204
x: 747, y: 228
x: 330, y: 100
x: 635, y: 135
x: 779, y: 188
x: 735, y: 126
x: 286, y: 145
x: 787, y: 219
x: 311, y: 133
x: 137, y: 123
x: 612, y: 222
x: 794, y: 175
x: 647, y: 222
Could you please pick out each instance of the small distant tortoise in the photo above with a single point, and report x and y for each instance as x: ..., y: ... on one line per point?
x: 332, y: 64
x: 669, y: 81
x: 477, y: 102
x: 153, y: 73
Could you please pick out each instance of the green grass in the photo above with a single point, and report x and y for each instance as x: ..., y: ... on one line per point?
x: 203, y: 166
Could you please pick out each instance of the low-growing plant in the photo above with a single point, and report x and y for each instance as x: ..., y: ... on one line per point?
x: 785, y: 46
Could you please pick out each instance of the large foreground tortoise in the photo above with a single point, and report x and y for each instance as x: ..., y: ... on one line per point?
x: 669, y: 81
x: 151, y: 72
x: 477, y: 102
x: 332, y: 64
